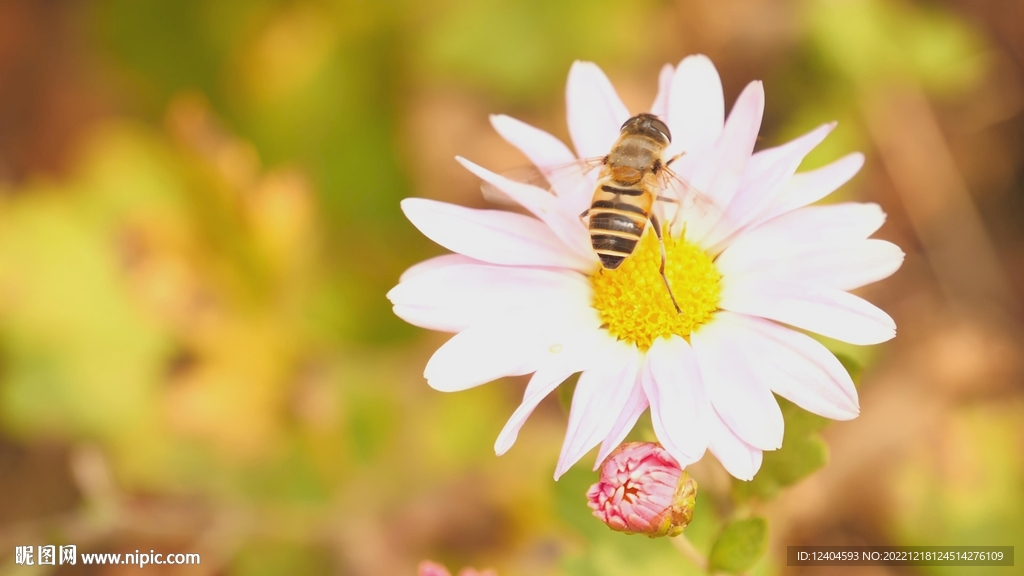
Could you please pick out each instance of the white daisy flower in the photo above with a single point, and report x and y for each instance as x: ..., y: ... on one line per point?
x: 527, y: 294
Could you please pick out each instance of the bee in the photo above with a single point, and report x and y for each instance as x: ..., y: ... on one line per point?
x: 631, y: 176
x: 627, y: 188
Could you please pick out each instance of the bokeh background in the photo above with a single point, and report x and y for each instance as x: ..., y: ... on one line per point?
x: 199, y: 220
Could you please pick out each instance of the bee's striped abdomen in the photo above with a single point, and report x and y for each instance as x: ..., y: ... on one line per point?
x: 626, y: 190
x: 616, y: 226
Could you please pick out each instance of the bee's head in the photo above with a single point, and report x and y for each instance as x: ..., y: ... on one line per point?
x: 649, y: 125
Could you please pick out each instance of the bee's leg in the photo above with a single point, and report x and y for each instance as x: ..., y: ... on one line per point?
x: 675, y: 215
x: 584, y: 215
x: 661, y: 243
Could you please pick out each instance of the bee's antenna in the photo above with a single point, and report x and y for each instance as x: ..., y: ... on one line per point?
x: 674, y: 158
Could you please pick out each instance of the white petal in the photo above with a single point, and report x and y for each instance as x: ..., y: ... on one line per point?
x: 739, y: 458
x: 811, y: 225
x: 719, y: 174
x: 771, y: 168
x: 482, y: 354
x: 696, y: 106
x: 660, y: 106
x: 494, y: 236
x: 848, y: 267
x: 578, y: 352
x: 841, y: 266
x: 543, y: 149
x: 569, y: 229
x: 519, y: 345
x: 828, y: 312
x: 734, y: 386
x: 435, y: 263
x: 807, y: 187
x: 595, y: 111
x: 822, y: 245
x: 597, y: 402
x: 679, y: 406
x: 800, y: 369
x: 456, y: 297
x: 631, y: 412
x: 763, y: 181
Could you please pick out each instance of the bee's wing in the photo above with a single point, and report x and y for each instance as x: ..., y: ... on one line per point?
x: 528, y: 174
x: 545, y: 177
x: 687, y: 207
x: 678, y: 190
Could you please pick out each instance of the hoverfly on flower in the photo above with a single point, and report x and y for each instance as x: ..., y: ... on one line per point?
x: 751, y: 264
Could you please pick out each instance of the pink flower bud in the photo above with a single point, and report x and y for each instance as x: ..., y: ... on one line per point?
x: 428, y: 568
x: 643, y: 490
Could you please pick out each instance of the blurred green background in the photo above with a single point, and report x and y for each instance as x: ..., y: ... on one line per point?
x: 199, y: 220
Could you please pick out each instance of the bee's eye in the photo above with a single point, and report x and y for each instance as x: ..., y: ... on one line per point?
x: 661, y: 127
x: 628, y: 122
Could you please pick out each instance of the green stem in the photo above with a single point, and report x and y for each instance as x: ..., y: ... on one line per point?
x: 690, y: 552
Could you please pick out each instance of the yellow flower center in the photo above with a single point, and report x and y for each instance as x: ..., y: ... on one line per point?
x: 634, y: 303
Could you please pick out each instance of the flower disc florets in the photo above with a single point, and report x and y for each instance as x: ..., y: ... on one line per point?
x: 634, y: 303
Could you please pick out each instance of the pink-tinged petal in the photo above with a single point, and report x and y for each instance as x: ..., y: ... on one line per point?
x: 734, y: 386
x: 600, y: 394
x: 595, y: 111
x: 719, y: 173
x: 807, y: 187
x: 494, y: 236
x: 543, y: 149
x: 851, y: 266
x: 578, y: 352
x: 642, y: 490
x: 696, y: 106
x: 518, y: 345
x: 739, y: 458
x: 568, y: 228
x: 660, y: 106
x: 812, y: 225
x: 841, y: 266
x: 771, y: 168
x: 436, y: 263
x: 799, y: 368
x: 825, y: 311
x: 456, y: 297
x: 631, y: 412
x: 797, y: 233
x: 764, y: 179
x: 679, y: 405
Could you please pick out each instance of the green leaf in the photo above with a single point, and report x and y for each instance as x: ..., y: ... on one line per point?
x: 803, y: 452
x: 740, y: 545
